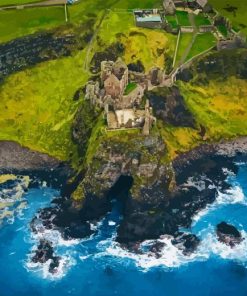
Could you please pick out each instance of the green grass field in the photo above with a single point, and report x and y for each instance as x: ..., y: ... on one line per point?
x: 184, y: 42
x: 172, y: 20
x: 17, y: 2
x: 234, y: 10
x: 223, y: 30
x: 201, y: 20
x: 183, y: 18
x: 203, y: 42
x: 220, y: 106
x: 16, y: 23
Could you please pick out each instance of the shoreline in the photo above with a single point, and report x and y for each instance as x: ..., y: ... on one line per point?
x: 19, y: 160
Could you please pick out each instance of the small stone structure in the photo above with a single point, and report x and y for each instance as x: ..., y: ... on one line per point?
x: 187, y: 29
x: 206, y: 28
x: 169, y: 7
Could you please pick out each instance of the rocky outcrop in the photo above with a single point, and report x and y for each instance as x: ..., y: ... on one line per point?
x: 160, y: 211
x: 228, y: 234
x: 186, y: 242
x: 138, y: 157
x: 43, y: 253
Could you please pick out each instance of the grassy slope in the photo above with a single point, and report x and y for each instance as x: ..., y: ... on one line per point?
x: 220, y: 107
x: 37, y: 105
x: 238, y: 19
x: 17, y: 23
x: 154, y: 43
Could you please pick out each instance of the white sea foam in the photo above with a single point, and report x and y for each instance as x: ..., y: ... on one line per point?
x: 170, y: 255
x: 211, y: 246
x: 55, y: 237
x: 111, y: 223
x: 233, y: 195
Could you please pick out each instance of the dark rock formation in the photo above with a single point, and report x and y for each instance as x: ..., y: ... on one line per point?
x: 109, y: 54
x: 158, y: 211
x: 157, y: 248
x: 30, y: 50
x: 228, y: 234
x: 136, y: 67
x: 43, y: 253
x: 169, y: 105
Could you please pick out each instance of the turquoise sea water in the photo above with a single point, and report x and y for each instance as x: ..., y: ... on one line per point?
x: 97, y: 266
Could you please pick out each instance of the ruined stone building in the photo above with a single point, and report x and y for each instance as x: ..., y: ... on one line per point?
x: 122, y: 109
x: 114, y: 76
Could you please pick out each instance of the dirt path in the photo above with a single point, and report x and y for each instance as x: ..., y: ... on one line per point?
x: 90, y: 45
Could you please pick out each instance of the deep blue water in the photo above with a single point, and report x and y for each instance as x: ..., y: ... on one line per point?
x: 97, y: 266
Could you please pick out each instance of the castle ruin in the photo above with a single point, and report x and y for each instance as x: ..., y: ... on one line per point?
x: 120, y: 98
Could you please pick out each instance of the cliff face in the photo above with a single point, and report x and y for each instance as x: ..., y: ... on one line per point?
x: 137, y: 156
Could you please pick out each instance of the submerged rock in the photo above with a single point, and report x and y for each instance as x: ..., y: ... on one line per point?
x: 186, y: 242
x: 228, y: 234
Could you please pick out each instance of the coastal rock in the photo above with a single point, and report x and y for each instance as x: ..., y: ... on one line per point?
x: 228, y: 234
x: 44, y: 253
